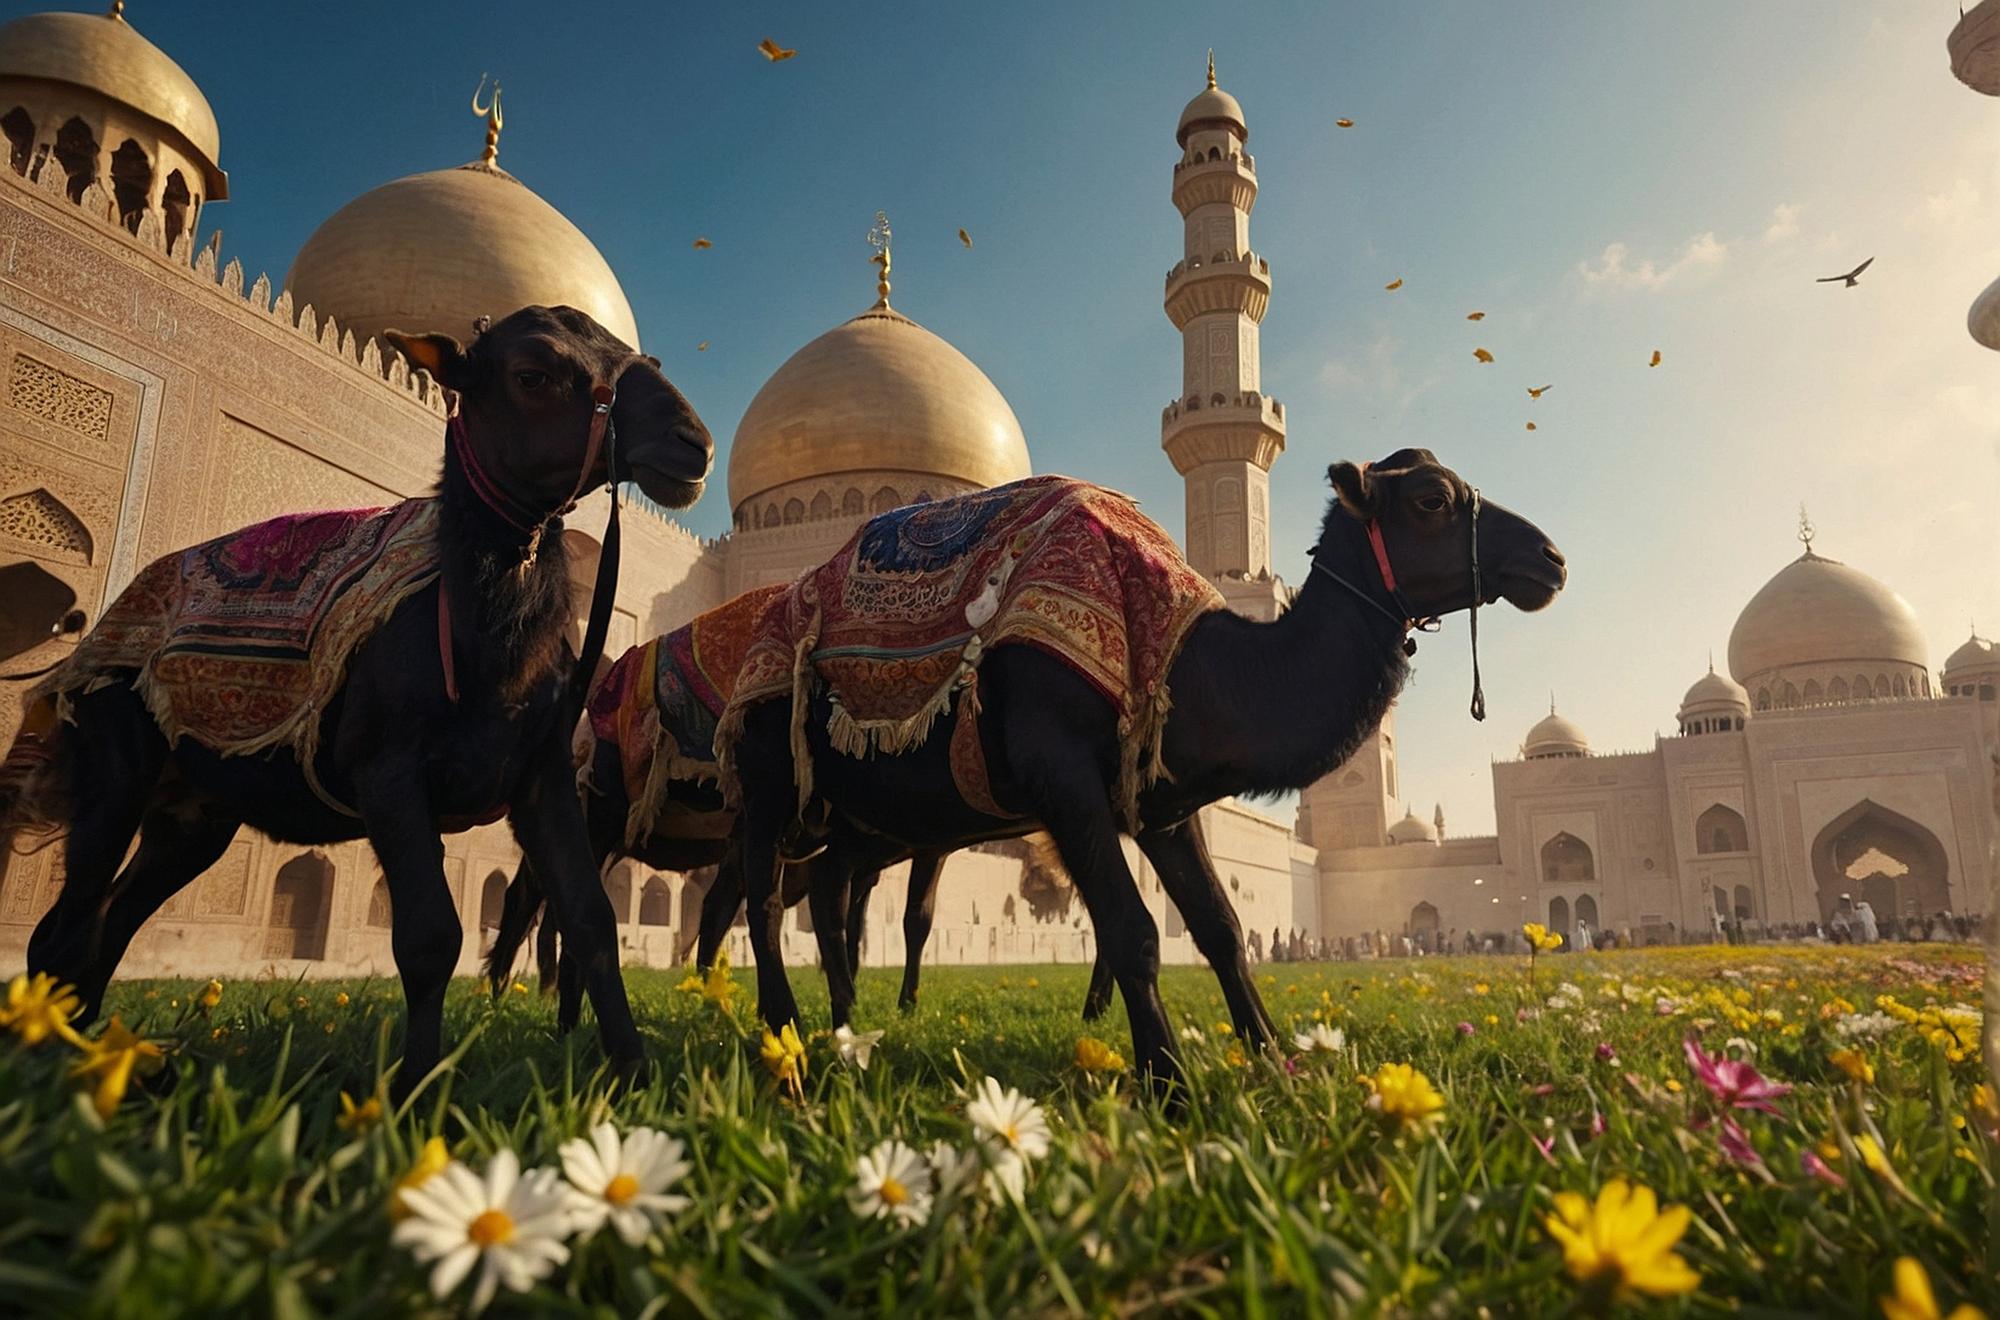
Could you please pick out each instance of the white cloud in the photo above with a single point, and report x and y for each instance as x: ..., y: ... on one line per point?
x: 1954, y: 207
x: 1784, y: 223
x: 1616, y: 270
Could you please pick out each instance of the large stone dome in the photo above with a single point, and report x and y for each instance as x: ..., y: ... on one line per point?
x: 1819, y: 623
x: 102, y: 54
x: 876, y: 403
x: 436, y: 251
x: 1554, y: 736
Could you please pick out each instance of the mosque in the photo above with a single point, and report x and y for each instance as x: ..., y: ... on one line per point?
x: 155, y: 395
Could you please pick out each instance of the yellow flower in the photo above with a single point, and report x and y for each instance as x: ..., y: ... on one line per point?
x: 520, y: 988
x: 1872, y: 1156
x: 1236, y: 1058
x: 1854, y: 1064
x: 37, y: 1008
x: 341, y: 1000
x: 1914, y: 1299
x: 1093, y: 1055
x: 785, y: 1055
x: 358, y: 1118
x: 690, y: 983
x: 719, y: 985
x: 430, y: 1160
x: 1540, y: 937
x: 211, y: 994
x: 1624, y: 1244
x: 1673, y: 1085
x: 111, y: 1059
x: 1481, y: 988
x: 1492, y: 1019
x: 1400, y: 1092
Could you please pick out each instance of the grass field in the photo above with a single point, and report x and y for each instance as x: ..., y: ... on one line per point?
x: 235, y: 1178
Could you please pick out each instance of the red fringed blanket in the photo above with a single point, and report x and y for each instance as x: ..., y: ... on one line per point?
x: 239, y: 643
x: 660, y: 702
x: 896, y: 623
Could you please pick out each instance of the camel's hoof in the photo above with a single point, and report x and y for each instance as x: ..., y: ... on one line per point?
x: 630, y: 1072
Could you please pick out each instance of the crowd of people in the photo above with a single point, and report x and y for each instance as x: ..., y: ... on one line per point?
x: 1851, y: 922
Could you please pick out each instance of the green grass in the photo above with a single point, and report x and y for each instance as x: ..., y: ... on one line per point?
x: 223, y: 1184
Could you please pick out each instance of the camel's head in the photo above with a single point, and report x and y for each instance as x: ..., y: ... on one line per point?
x: 524, y: 389
x: 1426, y: 514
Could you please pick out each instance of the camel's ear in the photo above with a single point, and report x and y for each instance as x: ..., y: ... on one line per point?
x: 441, y: 355
x: 1356, y: 489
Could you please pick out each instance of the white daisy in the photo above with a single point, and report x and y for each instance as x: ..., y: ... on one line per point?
x: 855, y: 1046
x: 1006, y: 1176
x: 1864, y: 1026
x: 510, y: 1225
x: 891, y: 1182
x: 951, y: 1167
x: 1010, y: 1119
x: 1191, y: 1032
x: 624, y: 1182
x: 1327, y: 1040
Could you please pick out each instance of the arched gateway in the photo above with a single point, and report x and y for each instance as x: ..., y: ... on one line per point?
x: 1883, y: 857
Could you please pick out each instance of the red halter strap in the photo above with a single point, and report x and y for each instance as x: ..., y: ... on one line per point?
x: 1381, y: 556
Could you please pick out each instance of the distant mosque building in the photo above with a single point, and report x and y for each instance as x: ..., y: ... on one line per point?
x: 155, y: 396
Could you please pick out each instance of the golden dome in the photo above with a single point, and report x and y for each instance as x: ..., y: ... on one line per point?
x: 1412, y: 830
x: 102, y: 53
x: 1212, y: 108
x: 877, y: 394
x: 1554, y: 736
x: 1819, y: 613
x: 436, y: 251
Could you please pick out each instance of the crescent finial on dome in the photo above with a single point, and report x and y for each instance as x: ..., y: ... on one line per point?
x: 1211, y: 66
x: 490, y: 112
x: 1805, y: 528
x: 878, y: 238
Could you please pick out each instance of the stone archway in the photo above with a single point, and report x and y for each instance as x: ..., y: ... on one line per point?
x: 1586, y: 912
x: 1424, y: 916
x: 1883, y: 857
x: 1567, y: 860
x: 1559, y: 917
x: 301, y: 908
x: 492, y: 899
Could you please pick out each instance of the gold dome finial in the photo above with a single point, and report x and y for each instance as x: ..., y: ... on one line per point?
x: 116, y: 11
x: 1211, y: 68
x: 1805, y: 528
x: 490, y: 112
x: 878, y: 238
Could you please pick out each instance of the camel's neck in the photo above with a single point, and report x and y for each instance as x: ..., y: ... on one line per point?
x: 1268, y: 707
x: 508, y: 614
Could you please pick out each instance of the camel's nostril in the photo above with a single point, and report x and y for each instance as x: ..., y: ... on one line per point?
x: 1554, y: 556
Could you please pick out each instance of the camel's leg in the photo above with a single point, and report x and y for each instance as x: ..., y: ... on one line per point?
x: 859, y: 889
x: 114, y: 754
x: 517, y: 912
x: 1098, y: 998
x: 175, y: 847
x: 918, y: 913
x: 1071, y: 798
x: 828, y: 878
x: 546, y: 966
x: 549, y: 823
x: 718, y: 907
x: 425, y: 937
x: 1180, y: 854
x: 764, y: 766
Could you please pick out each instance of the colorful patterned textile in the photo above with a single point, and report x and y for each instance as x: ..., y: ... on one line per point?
x: 896, y: 623
x: 659, y: 704
x: 239, y: 643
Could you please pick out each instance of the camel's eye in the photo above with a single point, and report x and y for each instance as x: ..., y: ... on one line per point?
x: 531, y: 380
x: 1432, y: 503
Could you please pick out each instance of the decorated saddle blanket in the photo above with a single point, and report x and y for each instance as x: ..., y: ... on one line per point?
x: 240, y: 642
x: 893, y: 627
x: 660, y: 703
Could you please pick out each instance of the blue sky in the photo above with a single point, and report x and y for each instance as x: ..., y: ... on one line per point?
x: 1601, y: 180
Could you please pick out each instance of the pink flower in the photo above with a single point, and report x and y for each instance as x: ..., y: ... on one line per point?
x: 1597, y: 1124
x: 1465, y: 1028
x: 1291, y: 1066
x: 1522, y: 1015
x: 1605, y: 1052
x: 1737, y: 1084
x: 1735, y: 1143
x: 1819, y: 1169
x: 1542, y: 1088
x: 1545, y: 1145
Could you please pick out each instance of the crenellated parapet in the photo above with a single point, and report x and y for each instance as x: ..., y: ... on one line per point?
x: 1225, y: 282
x: 1216, y: 180
x: 1248, y: 428
x: 147, y: 231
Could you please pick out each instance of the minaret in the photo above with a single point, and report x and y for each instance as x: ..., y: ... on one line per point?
x: 1223, y: 432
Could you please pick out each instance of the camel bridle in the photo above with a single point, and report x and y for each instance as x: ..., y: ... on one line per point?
x: 1404, y: 615
x: 523, y: 516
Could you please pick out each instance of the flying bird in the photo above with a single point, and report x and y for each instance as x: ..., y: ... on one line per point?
x: 1850, y: 279
x: 1482, y: 355
x: 1534, y: 393
x: 1343, y: 123
x: 1475, y: 316
x: 965, y: 238
x: 1656, y: 359
x: 773, y: 52
x: 702, y: 245
x: 1394, y: 284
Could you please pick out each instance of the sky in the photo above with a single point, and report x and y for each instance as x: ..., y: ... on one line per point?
x: 1602, y: 181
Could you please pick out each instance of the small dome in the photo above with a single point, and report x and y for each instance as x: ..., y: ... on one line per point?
x: 102, y: 54
x: 1713, y: 690
x: 878, y: 394
x: 1975, y: 653
x: 1554, y: 736
x: 1819, y: 614
x: 436, y: 251
x: 1212, y: 108
x: 1412, y: 830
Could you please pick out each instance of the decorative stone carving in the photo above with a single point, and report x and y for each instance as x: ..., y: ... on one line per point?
x: 232, y: 278
x: 260, y: 294
x: 56, y: 396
